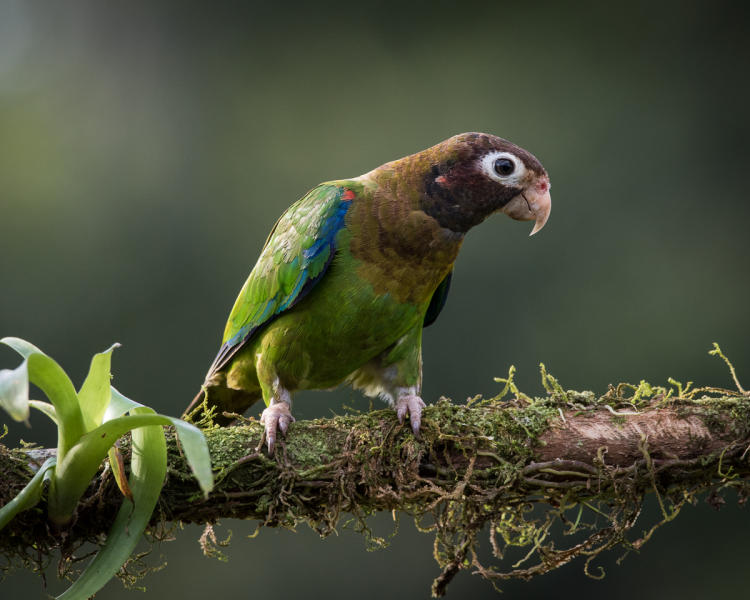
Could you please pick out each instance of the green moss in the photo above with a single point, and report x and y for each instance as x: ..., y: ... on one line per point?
x: 473, y: 470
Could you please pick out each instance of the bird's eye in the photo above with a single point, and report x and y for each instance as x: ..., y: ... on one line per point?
x: 504, y: 167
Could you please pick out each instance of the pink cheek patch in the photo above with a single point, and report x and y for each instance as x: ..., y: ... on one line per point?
x: 441, y: 180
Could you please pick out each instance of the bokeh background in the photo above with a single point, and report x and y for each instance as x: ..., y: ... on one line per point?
x: 147, y: 148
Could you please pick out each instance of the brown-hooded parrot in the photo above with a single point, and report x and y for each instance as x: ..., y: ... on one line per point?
x: 352, y: 272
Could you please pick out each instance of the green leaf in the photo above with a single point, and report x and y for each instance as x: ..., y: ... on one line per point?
x: 28, y: 496
x: 86, y: 433
x: 74, y: 473
x: 94, y: 395
x: 44, y: 407
x: 148, y: 468
x: 77, y: 469
x: 192, y: 440
x: 52, y: 380
x: 14, y: 392
x: 49, y: 376
x: 194, y: 445
x: 119, y: 405
x: 23, y: 347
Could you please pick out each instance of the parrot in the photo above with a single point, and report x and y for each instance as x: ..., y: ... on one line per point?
x: 352, y: 272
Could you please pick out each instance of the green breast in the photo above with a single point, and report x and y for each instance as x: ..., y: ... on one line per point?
x: 339, y: 327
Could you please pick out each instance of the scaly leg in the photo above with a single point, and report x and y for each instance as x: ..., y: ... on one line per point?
x: 396, y: 376
x: 277, y: 416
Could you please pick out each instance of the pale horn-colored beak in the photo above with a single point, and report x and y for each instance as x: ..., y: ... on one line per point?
x: 533, y: 204
x: 541, y: 205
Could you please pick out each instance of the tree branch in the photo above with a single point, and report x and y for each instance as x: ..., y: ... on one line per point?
x: 578, y: 457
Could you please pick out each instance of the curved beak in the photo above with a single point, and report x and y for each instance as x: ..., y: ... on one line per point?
x: 532, y: 204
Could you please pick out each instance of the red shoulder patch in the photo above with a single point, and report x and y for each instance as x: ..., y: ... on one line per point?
x: 348, y: 195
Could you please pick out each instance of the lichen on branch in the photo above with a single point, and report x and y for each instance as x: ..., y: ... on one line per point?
x: 508, y: 472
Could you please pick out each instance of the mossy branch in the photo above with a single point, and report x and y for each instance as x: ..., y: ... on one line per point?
x: 518, y: 469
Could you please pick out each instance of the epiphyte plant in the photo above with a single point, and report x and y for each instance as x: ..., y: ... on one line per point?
x: 89, y: 423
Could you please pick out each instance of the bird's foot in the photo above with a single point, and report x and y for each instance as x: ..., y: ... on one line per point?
x: 277, y: 416
x: 413, y: 405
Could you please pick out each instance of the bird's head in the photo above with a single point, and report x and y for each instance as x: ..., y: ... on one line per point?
x: 470, y: 176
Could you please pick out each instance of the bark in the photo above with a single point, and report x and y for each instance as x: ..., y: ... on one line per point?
x: 477, y: 465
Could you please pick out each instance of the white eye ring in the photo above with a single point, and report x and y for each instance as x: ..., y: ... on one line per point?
x: 488, y: 167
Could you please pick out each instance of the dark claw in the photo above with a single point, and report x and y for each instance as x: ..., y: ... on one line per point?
x: 411, y: 405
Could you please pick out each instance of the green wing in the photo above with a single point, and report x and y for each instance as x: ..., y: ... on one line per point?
x: 296, y: 255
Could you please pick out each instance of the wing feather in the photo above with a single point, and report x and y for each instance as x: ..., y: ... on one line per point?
x: 295, y: 257
x: 438, y: 300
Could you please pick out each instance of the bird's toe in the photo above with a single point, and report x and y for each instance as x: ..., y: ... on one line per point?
x: 411, y: 405
x: 276, y: 417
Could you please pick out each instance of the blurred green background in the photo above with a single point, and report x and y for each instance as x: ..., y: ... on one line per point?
x: 147, y: 148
